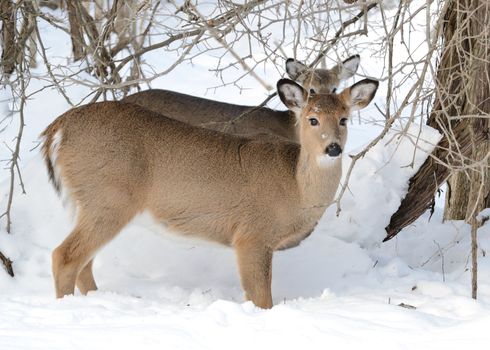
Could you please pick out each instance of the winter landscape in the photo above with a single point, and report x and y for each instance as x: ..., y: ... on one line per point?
x: 341, y: 288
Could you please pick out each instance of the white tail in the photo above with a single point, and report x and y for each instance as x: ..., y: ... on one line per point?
x: 264, y: 123
x: 118, y: 159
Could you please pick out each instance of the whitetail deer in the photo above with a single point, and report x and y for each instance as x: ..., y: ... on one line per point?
x: 322, y: 81
x: 115, y: 160
x: 258, y: 122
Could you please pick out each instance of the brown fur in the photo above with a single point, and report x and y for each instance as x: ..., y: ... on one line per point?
x: 263, y: 122
x: 322, y: 81
x: 118, y: 159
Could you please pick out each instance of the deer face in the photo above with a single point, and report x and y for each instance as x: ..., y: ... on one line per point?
x: 322, y: 118
x: 322, y: 81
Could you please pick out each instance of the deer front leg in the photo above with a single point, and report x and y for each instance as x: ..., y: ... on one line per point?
x: 255, y: 267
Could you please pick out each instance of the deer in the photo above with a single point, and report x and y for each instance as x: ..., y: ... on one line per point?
x: 235, y: 119
x: 115, y: 160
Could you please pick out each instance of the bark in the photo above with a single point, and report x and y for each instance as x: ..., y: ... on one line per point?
x: 9, y: 52
x: 425, y: 183
x: 51, y: 4
x: 14, y: 43
x: 76, y: 31
x: 480, y: 90
x: 27, y: 37
x: 462, y: 199
x: 458, y: 187
x: 7, y: 263
x: 462, y: 88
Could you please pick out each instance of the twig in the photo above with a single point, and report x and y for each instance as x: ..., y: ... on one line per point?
x: 441, y: 254
x: 249, y: 111
x: 16, y: 153
x: 338, y: 35
x: 332, y: 42
x: 474, y: 257
x: 219, y: 38
x: 407, y: 306
x: 48, y: 67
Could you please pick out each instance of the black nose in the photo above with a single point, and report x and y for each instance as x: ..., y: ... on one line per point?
x: 333, y: 150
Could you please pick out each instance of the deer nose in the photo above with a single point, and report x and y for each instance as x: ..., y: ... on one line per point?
x: 333, y: 150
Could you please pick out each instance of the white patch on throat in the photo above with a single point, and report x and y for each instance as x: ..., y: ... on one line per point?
x: 325, y: 161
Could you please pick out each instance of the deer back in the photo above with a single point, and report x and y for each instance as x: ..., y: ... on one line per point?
x: 216, y: 115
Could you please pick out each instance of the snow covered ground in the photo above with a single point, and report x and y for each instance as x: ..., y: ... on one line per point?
x: 340, y: 289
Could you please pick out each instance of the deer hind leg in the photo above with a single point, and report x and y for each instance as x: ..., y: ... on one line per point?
x: 255, y: 267
x: 72, y: 258
x: 85, y: 280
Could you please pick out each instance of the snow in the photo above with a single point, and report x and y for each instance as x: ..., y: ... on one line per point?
x: 341, y: 288
x: 483, y: 215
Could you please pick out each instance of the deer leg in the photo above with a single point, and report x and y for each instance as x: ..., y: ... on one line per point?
x: 67, y: 260
x: 75, y: 253
x: 255, y: 267
x: 85, y: 280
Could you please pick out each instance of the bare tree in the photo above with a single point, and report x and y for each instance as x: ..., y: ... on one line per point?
x: 16, y: 62
x: 461, y: 113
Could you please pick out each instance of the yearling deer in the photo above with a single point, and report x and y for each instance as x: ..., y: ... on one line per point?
x: 259, y: 122
x: 115, y: 160
x: 322, y: 81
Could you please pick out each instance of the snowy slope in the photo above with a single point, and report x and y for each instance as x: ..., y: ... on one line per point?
x: 341, y: 288
x: 158, y: 292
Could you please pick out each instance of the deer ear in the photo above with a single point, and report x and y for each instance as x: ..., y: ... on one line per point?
x: 360, y: 94
x: 348, y: 68
x: 295, y: 68
x: 292, y: 94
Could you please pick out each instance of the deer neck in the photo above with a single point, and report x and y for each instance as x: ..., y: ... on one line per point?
x: 317, y: 183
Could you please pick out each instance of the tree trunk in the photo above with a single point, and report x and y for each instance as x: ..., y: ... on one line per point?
x: 76, y: 31
x: 458, y: 187
x: 9, y: 52
x: 462, y: 89
x: 473, y: 190
x: 466, y: 188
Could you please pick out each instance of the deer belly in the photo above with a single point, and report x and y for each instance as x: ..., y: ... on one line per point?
x: 293, y: 240
x: 182, y: 230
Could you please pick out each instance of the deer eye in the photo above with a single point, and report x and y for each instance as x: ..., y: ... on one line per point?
x: 312, y: 91
x: 334, y: 90
x: 313, y: 121
x: 343, y: 121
